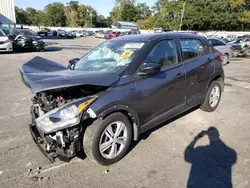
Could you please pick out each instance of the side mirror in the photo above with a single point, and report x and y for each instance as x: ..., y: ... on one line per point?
x: 149, y: 69
x: 72, y: 63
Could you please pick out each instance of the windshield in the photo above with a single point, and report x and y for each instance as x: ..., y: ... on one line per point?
x: 2, y: 34
x: 111, y: 56
x: 26, y: 32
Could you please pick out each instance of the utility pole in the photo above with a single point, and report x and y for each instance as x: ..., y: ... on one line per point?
x: 91, y: 19
x: 182, y: 14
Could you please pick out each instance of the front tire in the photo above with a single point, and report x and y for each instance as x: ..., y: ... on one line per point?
x: 212, y: 98
x: 107, y: 141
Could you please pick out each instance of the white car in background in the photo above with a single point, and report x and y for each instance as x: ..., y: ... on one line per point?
x: 5, y: 43
x: 79, y: 34
x: 224, y: 48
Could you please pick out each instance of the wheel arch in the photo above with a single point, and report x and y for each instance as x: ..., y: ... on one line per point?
x: 215, y: 77
x: 220, y: 79
x: 130, y: 113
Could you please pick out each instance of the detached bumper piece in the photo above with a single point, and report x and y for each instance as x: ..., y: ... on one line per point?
x: 60, y: 145
x: 40, y: 143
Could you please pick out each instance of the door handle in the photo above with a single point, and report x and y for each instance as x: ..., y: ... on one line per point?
x: 209, y: 59
x: 179, y: 75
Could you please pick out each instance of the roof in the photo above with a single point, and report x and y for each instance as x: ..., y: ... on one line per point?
x: 127, y: 23
x: 157, y: 36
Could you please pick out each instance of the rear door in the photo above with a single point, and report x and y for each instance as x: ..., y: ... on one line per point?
x: 164, y: 91
x: 199, y: 66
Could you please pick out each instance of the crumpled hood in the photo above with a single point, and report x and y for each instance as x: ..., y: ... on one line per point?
x: 41, y: 74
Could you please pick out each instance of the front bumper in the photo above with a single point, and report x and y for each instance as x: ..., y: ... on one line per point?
x: 6, y: 47
x: 39, y: 45
x: 40, y: 143
x: 51, y: 145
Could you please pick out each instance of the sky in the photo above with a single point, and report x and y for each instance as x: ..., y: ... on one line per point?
x: 103, y: 7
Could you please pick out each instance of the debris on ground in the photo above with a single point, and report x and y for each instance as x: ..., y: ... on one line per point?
x: 40, y: 178
x: 38, y: 172
x: 29, y: 164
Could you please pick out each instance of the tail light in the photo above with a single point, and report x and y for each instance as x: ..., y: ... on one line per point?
x: 220, y: 55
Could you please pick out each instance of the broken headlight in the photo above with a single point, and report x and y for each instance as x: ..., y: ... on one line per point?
x: 63, y: 117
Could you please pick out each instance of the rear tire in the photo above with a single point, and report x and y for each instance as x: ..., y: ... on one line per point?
x: 248, y: 52
x: 225, y: 59
x: 212, y: 98
x: 101, y: 143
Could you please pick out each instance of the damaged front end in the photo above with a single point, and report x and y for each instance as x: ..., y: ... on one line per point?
x: 57, y: 123
x: 60, y: 109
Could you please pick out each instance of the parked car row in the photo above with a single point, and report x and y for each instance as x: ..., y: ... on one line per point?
x: 20, y: 39
x: 239, y: 46
x: 113, y: 34
x: 64, y: 33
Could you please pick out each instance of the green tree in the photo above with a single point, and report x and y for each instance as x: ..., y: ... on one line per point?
x: 143, y: 11
x: 146, y: 24
x: 91, y: 16
x: 71, y: 11
x: 109, y: 21
x: 21, y: 16
x: 55, y: 14
x: 167, y: 14
x: 115, y: 14
x: 41, y: 18
x: 128, y: 12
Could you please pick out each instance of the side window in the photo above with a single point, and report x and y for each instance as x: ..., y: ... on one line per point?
x: 215, y: 42
x: 191, y: 48
x: 219, y: 43
x: 164, y: 53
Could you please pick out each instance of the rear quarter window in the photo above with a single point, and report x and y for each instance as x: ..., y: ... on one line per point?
x: 215, y: 42
x: 191, y: 48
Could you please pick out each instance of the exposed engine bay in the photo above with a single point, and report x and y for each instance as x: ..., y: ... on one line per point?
x: 47, y: 101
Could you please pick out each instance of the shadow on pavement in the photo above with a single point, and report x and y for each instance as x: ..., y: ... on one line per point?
x: 211, y: 164
x: 52, y: 49
x: 55, y: 38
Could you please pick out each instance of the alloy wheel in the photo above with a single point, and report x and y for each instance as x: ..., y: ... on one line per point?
x: 113, y: 140
x: 214, y: 96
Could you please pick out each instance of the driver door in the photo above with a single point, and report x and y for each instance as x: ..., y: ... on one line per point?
x: 162, y: 93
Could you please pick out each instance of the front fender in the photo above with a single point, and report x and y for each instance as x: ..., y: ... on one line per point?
x: 120, y: 108
x: 132, y: 114
x: 122, y: 98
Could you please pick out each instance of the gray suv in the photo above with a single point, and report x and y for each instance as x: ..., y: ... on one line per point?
x: 103, y: 101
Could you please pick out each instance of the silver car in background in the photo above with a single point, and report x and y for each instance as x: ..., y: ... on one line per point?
x: 5, y: 43
x: 224, y: 48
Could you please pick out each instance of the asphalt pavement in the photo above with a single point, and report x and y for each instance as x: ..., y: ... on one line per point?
x: 170, y: 155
